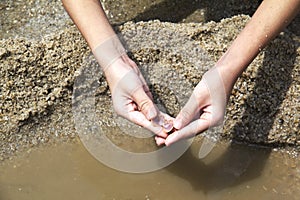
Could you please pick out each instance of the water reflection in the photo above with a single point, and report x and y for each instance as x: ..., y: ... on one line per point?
x: 237, y: 164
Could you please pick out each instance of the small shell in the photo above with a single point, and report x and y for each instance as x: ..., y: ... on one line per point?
x: 168, y: 125
x: 160, y: 120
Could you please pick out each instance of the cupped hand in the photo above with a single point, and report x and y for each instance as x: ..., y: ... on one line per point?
x: 204, y: 109
x: 131, y: 96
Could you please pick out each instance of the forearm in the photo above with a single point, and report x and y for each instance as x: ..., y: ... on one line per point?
x: 89, y: 17
x: 269, y: 19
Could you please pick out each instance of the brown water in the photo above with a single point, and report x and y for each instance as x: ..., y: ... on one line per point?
x: 68, y: 171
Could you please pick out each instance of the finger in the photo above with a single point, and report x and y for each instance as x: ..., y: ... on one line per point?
x: 140, y: 119
x: 187, y: 113
x: 132, y: 86
x: 165, y: 121
x: 188, y: 131
x: 147, y: 91
x: 159, y: 140
x: 145, y: 104
x: 166, y: 116
x: 142, y: 79
x: 145, y: 85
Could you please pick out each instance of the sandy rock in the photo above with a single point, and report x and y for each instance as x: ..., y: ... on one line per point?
x: 37, y: 78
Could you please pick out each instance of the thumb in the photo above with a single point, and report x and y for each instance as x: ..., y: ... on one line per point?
x: 187, y: 113
x: 145, y: 104
x: 188, y: 131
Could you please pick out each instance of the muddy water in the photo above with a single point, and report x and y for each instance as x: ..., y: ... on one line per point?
x: 68, y: 171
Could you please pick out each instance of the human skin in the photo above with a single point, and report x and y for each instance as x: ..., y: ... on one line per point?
x: 134, y: 100
x: 270, y: 18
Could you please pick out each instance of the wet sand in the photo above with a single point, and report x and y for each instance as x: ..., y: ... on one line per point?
x: 38, y: 76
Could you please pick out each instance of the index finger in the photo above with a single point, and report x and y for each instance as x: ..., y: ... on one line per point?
x: 192, y: 129
x: 139, y: 118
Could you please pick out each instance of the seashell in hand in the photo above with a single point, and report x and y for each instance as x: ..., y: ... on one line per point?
x: 166, y: 124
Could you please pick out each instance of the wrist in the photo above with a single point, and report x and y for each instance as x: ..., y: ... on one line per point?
x: 108, y: 52
x: 228, y: 76
x: 117, y: 70
x: 230, y: 66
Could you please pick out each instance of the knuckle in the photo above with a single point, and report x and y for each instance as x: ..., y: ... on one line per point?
x: 145, y: 104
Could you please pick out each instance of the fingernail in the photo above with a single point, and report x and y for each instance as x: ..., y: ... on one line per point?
x: 159, y: 141
x: 171, y: 139
x: 177, y: 123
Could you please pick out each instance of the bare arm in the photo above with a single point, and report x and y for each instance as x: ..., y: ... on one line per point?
x: 209, y: 98
x: 269, y: 19
x: 131, y: 96
x: 89, y: 17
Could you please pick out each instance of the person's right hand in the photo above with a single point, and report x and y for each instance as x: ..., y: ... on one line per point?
x: 131, y: 96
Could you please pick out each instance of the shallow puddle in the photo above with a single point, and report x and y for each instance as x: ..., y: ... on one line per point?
x: 68, y: 171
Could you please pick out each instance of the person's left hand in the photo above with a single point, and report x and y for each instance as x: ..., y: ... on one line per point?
x: 204, y: 109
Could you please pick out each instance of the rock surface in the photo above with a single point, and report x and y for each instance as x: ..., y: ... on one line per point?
x: 41, y: 52
x: 37, y: 78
